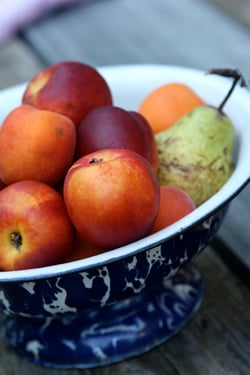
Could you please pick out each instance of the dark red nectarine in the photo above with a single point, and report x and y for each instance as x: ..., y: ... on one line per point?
x: 115, y: 127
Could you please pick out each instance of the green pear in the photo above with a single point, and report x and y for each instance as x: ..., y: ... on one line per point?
x: 195, y: 154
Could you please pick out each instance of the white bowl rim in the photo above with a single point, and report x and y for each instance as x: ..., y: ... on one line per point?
x: 157, y: 74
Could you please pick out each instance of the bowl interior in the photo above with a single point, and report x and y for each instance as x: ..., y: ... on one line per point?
x: 129, y: 85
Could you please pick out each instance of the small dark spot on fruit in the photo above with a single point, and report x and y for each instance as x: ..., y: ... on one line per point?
x: 60, y: 132
x: 95, y: 160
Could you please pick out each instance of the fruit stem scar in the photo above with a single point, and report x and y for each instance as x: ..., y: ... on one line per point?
x: 16, y: 240
x: 95, y: 160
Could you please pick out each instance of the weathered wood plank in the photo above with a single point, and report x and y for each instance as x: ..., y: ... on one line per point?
x: 17, y: 64
x: 235, y: 229
x: 155, y: 31
x: 239, y: 9
x: 218, y: 326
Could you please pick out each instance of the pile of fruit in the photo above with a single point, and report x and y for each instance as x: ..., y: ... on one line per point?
x: 80, y: 176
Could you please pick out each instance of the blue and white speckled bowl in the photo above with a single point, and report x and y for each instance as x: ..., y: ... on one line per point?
x: 124, y: 302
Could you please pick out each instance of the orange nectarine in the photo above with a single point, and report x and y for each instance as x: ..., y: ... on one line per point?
x: 37, y: 145
x: 175, y: 203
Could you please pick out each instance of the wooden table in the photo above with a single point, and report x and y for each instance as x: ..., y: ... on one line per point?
x: 195, y: 33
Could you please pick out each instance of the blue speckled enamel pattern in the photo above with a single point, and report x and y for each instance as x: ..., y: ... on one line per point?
x: 102, y: 336
x: 108, y: 283
x: 104, y: 314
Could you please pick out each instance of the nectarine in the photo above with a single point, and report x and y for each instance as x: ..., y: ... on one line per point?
x: 35, y: 229
x: 115, y: 127
x: 175, y: 203
x: 37, y: 145
x: 82, y: 249
x: 69, y: 87
x: 112, y: 197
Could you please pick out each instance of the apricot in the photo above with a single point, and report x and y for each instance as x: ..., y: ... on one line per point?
x: 168, y: 103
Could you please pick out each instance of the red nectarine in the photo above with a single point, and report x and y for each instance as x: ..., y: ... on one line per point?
x: 112, y: 197
x: 69, y: 87
x: 35, y: 229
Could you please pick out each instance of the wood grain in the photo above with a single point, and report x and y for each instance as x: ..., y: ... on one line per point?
x: 17, y: 63
x: 239, y: 9
x: 194, y: 33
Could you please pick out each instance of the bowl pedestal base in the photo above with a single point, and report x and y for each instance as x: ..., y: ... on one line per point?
x: 113, y: 333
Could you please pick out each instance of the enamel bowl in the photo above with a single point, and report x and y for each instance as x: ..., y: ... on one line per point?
x: 124, y: 302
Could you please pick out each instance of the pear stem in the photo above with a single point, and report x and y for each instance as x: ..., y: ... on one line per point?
x: 233, y: 73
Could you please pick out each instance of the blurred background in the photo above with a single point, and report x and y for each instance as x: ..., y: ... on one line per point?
x: 195, y: 33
